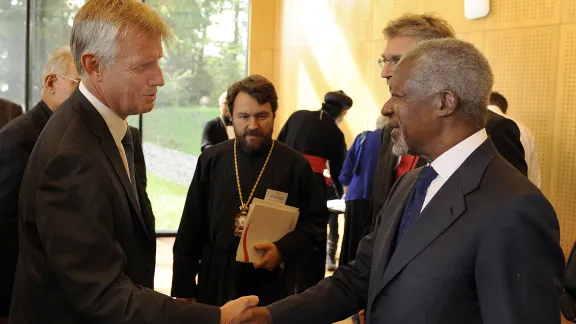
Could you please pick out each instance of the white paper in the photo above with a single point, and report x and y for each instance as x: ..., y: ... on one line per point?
x: 267, y: 222
x: 276, y: 196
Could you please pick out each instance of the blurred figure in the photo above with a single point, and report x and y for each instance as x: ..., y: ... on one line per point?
x: 217, y: 130
x: 499, y: 105
x: 17, y: 140
x: 86, y: 235
x: 315, y: 134
x: 227, y: 179
x: 357, y: 177
x: 8, y: 111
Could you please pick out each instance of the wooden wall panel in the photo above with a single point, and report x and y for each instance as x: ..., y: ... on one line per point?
x: 525, y: 62
x: 563, y: 182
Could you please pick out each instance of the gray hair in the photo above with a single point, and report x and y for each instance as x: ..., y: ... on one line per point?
x: 58, y: 62
x: 381, y: 122
x: 99, y: 25
x: 456, y: 66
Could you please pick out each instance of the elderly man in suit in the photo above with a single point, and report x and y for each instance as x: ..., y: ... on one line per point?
x: 402, y: 34
x: 17, y: 140
x: 465, y: 239
x: 87, y: 241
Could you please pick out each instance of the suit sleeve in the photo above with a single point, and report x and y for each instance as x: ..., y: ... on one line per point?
x: 208, y: 136
x: 568, y: 297
x: 506, y: 138
x: 13, y: 159
x: 76, y: 224
x: 334, y: 298
x: 520, y: 265
x: 312, y: 220
x: 190, y: 238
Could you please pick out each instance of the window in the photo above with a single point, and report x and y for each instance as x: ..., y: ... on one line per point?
x: 12, y: 50
x: 207, y: 55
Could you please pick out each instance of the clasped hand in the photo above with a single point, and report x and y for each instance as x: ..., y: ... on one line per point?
x: 243, y: 311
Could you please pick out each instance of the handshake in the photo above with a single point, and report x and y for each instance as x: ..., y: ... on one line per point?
x: 244, y: 311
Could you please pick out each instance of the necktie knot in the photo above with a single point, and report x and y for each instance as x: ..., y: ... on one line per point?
x: 425, y: 178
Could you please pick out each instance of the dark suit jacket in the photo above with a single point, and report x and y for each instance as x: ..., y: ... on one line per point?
x: 484, y: 250
x: 140, y: 166
x: 503, y: 132
x: 87, y: 254
x: 568, y: 297
x: 8, y: 111
x: 17, y: 140
x: 214, y: 133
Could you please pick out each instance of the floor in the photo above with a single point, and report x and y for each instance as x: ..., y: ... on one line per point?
x: 163, y: 278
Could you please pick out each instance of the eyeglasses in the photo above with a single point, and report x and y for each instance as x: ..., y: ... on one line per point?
x: 382, y: 61
x: 69, y: 78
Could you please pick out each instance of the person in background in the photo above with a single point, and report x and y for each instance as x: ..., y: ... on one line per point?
x: 215, y: 130
x: 499, y: 105
x: 357, y: 177
x: 86, y: 238
x: 17, y: 139
x: 315, y: 134
x: 8, y: 111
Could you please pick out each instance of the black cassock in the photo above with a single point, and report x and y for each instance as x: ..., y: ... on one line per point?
x: 205, y: 243
x: 316, y: 133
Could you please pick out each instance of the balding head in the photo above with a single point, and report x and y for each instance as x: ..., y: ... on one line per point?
x: 60, y: 78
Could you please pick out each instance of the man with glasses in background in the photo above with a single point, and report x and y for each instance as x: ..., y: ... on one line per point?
x: 17, y: 140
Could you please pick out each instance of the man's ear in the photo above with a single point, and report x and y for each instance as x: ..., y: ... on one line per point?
x: 445, y: 103
x: 92, y: 66
x: 49, y: 81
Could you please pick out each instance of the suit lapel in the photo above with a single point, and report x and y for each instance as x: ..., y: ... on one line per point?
x: 446, y: 206
x: 99, y: 128
x: 389, y: 217
x: 440, y: 213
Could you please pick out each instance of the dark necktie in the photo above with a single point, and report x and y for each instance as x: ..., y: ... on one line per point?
x: 415, y: 201
x: 128, y: 145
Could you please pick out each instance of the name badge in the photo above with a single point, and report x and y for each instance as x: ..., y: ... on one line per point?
x: 276, y: 196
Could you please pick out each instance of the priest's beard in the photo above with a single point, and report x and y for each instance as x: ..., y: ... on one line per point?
x: 255, y: 147
x: 399, y: 145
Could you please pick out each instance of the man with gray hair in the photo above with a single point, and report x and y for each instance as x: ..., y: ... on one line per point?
x: 402, y: 34
x: 441, y: 254
x: 86, y: 234
x: 17, y: 140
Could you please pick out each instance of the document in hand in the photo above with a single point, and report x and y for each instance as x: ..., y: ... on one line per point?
x: 267, y: 222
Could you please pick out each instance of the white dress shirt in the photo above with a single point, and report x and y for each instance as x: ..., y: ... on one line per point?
x: 529, y: 145
x: 116, y: 125
x: 447, y: 163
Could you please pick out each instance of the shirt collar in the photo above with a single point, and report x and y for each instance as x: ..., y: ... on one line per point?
x: 496, y: 109
x: 447, y: 163
x: 47, y: 111
x: 117, y: 125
